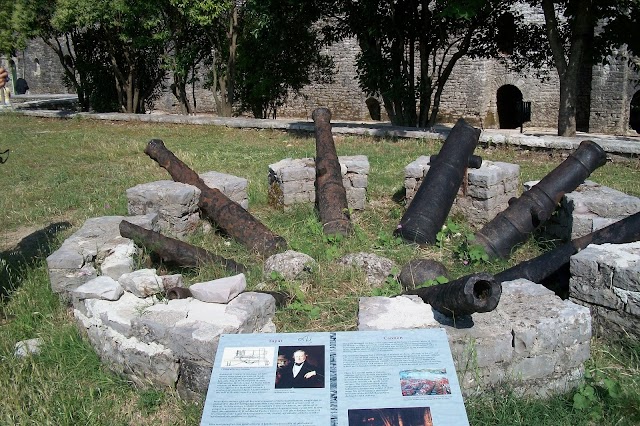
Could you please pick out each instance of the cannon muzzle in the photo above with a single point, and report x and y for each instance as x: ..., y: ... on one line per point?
x: 464, y: 296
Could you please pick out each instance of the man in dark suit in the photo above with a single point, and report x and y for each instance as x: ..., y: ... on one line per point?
x: 300, y: 374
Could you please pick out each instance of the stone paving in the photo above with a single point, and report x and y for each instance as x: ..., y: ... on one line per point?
x: 532, y: 138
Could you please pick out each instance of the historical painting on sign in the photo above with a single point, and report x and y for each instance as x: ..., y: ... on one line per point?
x: 408, y: 416
x: 300, y: 367
x: 431, y: 381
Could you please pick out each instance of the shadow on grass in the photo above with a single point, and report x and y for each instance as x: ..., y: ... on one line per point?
x: 27, y: 253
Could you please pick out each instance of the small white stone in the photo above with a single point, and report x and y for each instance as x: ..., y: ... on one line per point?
x: 219, y: 291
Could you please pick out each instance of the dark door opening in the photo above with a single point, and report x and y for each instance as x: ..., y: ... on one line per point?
x: 634, y: 113
x: 509, y: 99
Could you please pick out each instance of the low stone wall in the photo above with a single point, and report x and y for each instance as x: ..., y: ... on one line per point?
x: 533, y: 341
x: 487, y: 192
x: 133, y: 329
x: 588, y: 208
x: 292, y: 181
x: 606, y: 279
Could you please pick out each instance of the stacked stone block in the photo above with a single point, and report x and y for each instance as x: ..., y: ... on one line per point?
x: 233, y: 187
x: 533, y: 341
x: 588, y: 208
x: 485, y: 194
x: 177, y: 203
x: 165, y: 343
x: 292, y: 181
x: 606, y: 278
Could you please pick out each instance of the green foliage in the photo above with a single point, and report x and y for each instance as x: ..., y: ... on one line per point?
x: 597, y: 388
x: 464, y: 250
x: 390, y: 287
x: 399, y: 39
x: 387, y: 240
x: 441, y: 279
x: 280, y: 38
x: 301, y: 306
x: 150, y: 400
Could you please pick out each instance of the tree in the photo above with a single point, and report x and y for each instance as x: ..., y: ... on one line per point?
x: 572, y: 44
x: 279, y: 51
x: 219, y: 22
x: 399, y: 38
x: 129, y: 31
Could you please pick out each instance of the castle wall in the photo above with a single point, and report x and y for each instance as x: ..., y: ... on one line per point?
x: 471, y: 91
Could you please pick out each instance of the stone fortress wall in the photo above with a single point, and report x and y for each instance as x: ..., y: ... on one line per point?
x: 471, y: 92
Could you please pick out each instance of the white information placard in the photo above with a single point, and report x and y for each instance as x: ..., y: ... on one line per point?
x: 363, y: 378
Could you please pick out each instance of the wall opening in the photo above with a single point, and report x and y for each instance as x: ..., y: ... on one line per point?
x: 509, y: 99
x: 634, y: 113
x: 506, y: 34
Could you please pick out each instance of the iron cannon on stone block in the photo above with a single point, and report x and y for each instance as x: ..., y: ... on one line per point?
x: 331, y: 197
x: 464, y: 296
x: 431, y: 204
x: 525, y: 214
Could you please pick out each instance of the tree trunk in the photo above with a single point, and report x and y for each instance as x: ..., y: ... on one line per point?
x: 568, y: 63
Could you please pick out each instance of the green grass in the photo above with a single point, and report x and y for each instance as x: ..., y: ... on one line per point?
x: 61, y: 172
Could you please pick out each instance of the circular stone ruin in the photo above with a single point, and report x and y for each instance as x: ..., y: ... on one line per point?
x: 534, y: 341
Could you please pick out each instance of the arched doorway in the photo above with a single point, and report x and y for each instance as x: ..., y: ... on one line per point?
x: 509, y: 99
x: 634, y: 113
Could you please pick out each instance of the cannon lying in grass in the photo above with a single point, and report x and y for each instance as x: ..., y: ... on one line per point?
x: 525, y: 214
x: 431, y: 205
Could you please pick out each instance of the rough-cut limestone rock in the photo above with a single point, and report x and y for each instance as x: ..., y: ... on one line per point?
x: 533, y: 340
x: 376, y: 268
x: 290, y: 264
x: 221, y: 290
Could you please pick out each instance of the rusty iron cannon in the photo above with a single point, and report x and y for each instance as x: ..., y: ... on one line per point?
x: 331, y: 197
x: 525, y: 214
x: 227, y: 214
x: 431, y: 205
x: 467, y: 295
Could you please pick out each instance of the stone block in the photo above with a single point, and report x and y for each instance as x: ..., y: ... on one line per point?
x: 292, y: 181
x: 606, y: 278
x: 175, y: 203
x: 290, y: 264
x: 234, y: 187
x: 142, y: 283
x: 533, y: 340
x: 103, y: 287
x: 486, y: 193
x: 588, y: 208
x: 221, y: 290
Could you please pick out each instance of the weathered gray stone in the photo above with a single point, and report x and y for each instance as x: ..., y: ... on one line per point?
x: 221, y: 290
x: 533, y: 340
x: 175, y: 203
x: 170, y: 281
x: 142, y: 283
x: 118, y: 259
x: 289, y: 264
x: 376, y: 268
x: 103, y: 287
x: 118, y: 314
x: 358, y: 164
x: 606, y: 278
x: 28, y: 347
x: 144, y: 363
x: 73, y: 263
x: 234, y: 187
x: 588, y: 208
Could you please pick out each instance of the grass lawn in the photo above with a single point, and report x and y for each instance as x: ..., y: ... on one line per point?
x: 61, y: 172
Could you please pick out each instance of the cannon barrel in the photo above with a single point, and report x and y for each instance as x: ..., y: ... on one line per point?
x: 431, y: 205
x: 227, y: 214
x: 525, y: 214
x: 464, y: 296
x: 537, y: 269
x: 331, y: 197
